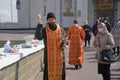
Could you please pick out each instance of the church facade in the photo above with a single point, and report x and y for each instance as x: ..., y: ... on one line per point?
x: 66, y: 11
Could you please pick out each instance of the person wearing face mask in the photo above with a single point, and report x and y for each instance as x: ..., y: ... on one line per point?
x: 53, y: 38
x: 103, y: 41
x: 100, y: 29
x: 76, y: 35
x: 116, y: 35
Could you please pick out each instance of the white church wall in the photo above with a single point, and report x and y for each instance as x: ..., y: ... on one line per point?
x: 23, y: 14
x: 91, y: 13
x: 68, y: 13
x: 65, y: 12
x: 82, y: 11
x: 51, y: 6
x: 35, y: 9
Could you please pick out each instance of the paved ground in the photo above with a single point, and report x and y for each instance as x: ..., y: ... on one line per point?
x: 89, y: 69
x: 87, y: 72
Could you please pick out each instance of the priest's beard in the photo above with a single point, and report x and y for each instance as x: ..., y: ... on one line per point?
x: 52, y: 26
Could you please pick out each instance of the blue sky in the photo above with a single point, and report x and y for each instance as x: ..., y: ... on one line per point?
x: 5, y: 11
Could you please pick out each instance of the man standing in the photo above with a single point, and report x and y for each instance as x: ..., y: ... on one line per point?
x: 54, y: 64
x: 76, y: 36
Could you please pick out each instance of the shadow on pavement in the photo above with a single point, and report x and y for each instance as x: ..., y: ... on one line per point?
x: 115, y: 74
x: 116, y: 78
x: 70, y: 68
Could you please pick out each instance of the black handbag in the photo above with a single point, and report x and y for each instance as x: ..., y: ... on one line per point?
x: 108, y: 56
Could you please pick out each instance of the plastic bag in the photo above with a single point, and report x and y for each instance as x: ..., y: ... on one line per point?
x: 7, y: 47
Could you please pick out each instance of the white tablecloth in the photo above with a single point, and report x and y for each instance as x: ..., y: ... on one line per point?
x: 12, y: 58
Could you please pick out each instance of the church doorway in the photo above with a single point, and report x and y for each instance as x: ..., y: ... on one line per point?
x: 106, y: 9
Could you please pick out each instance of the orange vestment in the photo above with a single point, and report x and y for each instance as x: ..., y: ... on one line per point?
x: 54, y: 53
x: 76, y: 36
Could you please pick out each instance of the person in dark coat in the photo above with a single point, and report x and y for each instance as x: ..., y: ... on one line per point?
x: 38, y: 28
x: 94, y: 28
x: 108, y: 25
x: 53, y: 37
x: 88, y: 32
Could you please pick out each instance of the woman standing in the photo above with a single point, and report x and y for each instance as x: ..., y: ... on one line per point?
x: 116, y: 35
x: 103, y: 41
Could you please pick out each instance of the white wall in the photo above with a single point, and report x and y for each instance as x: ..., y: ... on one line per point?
x: 82, y: 6
x: 54, y: 6
x: 27, y: 14
x: 35, y: 9
x: 91, y: 13
x: 86, y: 8
x: 51, y: 6
x: 68, y: 20
x: 23, y: 14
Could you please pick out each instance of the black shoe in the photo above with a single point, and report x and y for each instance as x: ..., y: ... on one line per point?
x: 76, y: 66
x: 80, y: 65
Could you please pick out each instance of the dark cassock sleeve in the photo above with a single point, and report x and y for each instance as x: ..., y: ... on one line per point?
x: 38, y: 32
